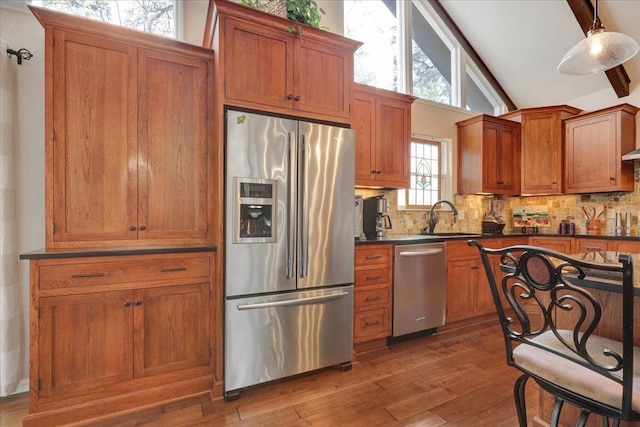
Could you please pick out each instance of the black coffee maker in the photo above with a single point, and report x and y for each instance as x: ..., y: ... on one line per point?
x: 375, y: 218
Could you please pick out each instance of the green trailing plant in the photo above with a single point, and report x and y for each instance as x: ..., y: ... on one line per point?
x: 303, y: 11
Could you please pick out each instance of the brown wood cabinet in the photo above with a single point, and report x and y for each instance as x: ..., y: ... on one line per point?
x: 595, y: 143
x: 582, y: 245
x: 372, y: 295
x: 488, y: 156
x: 628, y: 246
x: 128, y: 128
x: 262, y: 64
x: 558, y: 244
x: 542, y: 145
x: 382, y: 121
x: 468, y: 292
x: 119, y: 332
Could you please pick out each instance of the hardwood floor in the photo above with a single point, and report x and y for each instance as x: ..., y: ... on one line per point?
x: 455, y: 378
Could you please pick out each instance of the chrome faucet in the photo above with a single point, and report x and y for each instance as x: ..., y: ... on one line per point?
x: 432, y: 215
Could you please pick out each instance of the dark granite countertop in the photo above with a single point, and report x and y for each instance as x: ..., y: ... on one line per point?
x: 400, y: 239
x: 115, y: 251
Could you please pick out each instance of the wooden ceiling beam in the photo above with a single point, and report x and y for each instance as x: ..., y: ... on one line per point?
x: 583, y: 11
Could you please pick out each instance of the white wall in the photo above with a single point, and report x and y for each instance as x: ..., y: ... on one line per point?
x: 20, y: 29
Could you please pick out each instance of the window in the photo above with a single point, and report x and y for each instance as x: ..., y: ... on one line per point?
x: 152, y: 16
x: 409, y: 49
x: 375, y: 63
x: 430, y: 178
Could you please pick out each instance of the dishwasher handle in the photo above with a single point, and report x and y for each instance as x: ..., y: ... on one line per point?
x: 426, y: 252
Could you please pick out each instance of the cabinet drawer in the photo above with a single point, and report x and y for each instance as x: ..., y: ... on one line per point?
x: 371, y: 324
x: 373, y: 255
x: 78, y: 274
x: 460, y: 248
x: 372, y: 277
x: 372, y: 297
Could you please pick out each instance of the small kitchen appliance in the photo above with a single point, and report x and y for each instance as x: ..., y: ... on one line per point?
x: 376, y: 220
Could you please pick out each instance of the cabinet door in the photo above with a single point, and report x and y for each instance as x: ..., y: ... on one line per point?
x: 85, y: 342
x: 500, y: 158
x: 323, y: 79
x: 171, y: 329
x: 92, y: 166
x: 172, y: 135
x: 541, y: 153
x: 393, y: 130
x: 258, y: 64
x: 461, y: 279
x: 592, y: 157
x: 364, y: 112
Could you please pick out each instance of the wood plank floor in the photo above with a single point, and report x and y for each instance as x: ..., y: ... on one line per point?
x: 455, y: 378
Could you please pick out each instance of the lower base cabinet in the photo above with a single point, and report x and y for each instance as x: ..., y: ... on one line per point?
x: 468, y: 292
x: 372, y: 295
x: 113, y: 333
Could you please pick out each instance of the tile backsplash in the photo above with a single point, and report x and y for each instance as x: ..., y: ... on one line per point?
x: 473, y: 209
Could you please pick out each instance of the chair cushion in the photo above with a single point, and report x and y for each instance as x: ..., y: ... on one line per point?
x: 574, y: 377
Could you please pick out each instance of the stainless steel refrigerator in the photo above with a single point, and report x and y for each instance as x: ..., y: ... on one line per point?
x: 289, y: 248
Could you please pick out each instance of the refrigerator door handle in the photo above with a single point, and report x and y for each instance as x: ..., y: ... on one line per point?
x: 291, y: 208
x: 292, y: 302
x: 304, y: 211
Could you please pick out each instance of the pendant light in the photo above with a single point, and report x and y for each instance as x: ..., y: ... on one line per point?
x: 599, y: 51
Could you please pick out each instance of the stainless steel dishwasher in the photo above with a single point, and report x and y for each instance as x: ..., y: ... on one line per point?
x: 419, y: 287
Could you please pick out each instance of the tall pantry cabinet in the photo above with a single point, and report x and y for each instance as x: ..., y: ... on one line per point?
x: 124, y: 298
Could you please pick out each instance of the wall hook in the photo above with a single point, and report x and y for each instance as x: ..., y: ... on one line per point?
x: 20, y: 54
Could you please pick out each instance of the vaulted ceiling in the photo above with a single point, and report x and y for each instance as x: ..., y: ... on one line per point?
x: 522, y: 42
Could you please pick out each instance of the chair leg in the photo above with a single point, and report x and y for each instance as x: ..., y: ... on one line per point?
x: 555, y: 414
x: 605, y: 422
x: 582, y: 420
x: 518, y: 394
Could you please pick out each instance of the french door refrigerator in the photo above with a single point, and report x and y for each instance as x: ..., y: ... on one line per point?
x: 289, y: 248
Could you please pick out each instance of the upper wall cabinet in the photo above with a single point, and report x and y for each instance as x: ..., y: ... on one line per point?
x: 488, y: 156
x: 542, y: 147
x: 382, y: 121
x: 263, y: 62
x: 128, y: 125
x: 595, y: 143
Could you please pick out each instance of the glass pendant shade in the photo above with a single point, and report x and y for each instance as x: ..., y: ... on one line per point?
x: 600, y: 51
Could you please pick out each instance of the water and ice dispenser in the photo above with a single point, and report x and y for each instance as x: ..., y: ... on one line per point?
x: 256, y: 209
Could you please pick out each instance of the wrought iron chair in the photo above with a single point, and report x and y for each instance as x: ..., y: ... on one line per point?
x: 551, y: 338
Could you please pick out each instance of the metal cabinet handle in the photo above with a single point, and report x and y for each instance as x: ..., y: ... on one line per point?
x: 592, y: 248
x: 132, y: 228
x: 374, y: 257
x: 377, y: 322
x: 297, y: 98
x: 169, y: 269
x: 374, y: 277
x: 142, y: 227
x: 86, y: 275
x: 127, y: 303
x: 376, y: 298
x: 474, y: 267
x: 290, y: 96
x: 138, y: 302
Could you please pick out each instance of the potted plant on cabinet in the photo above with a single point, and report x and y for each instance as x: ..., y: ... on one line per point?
x: 301, y: 11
